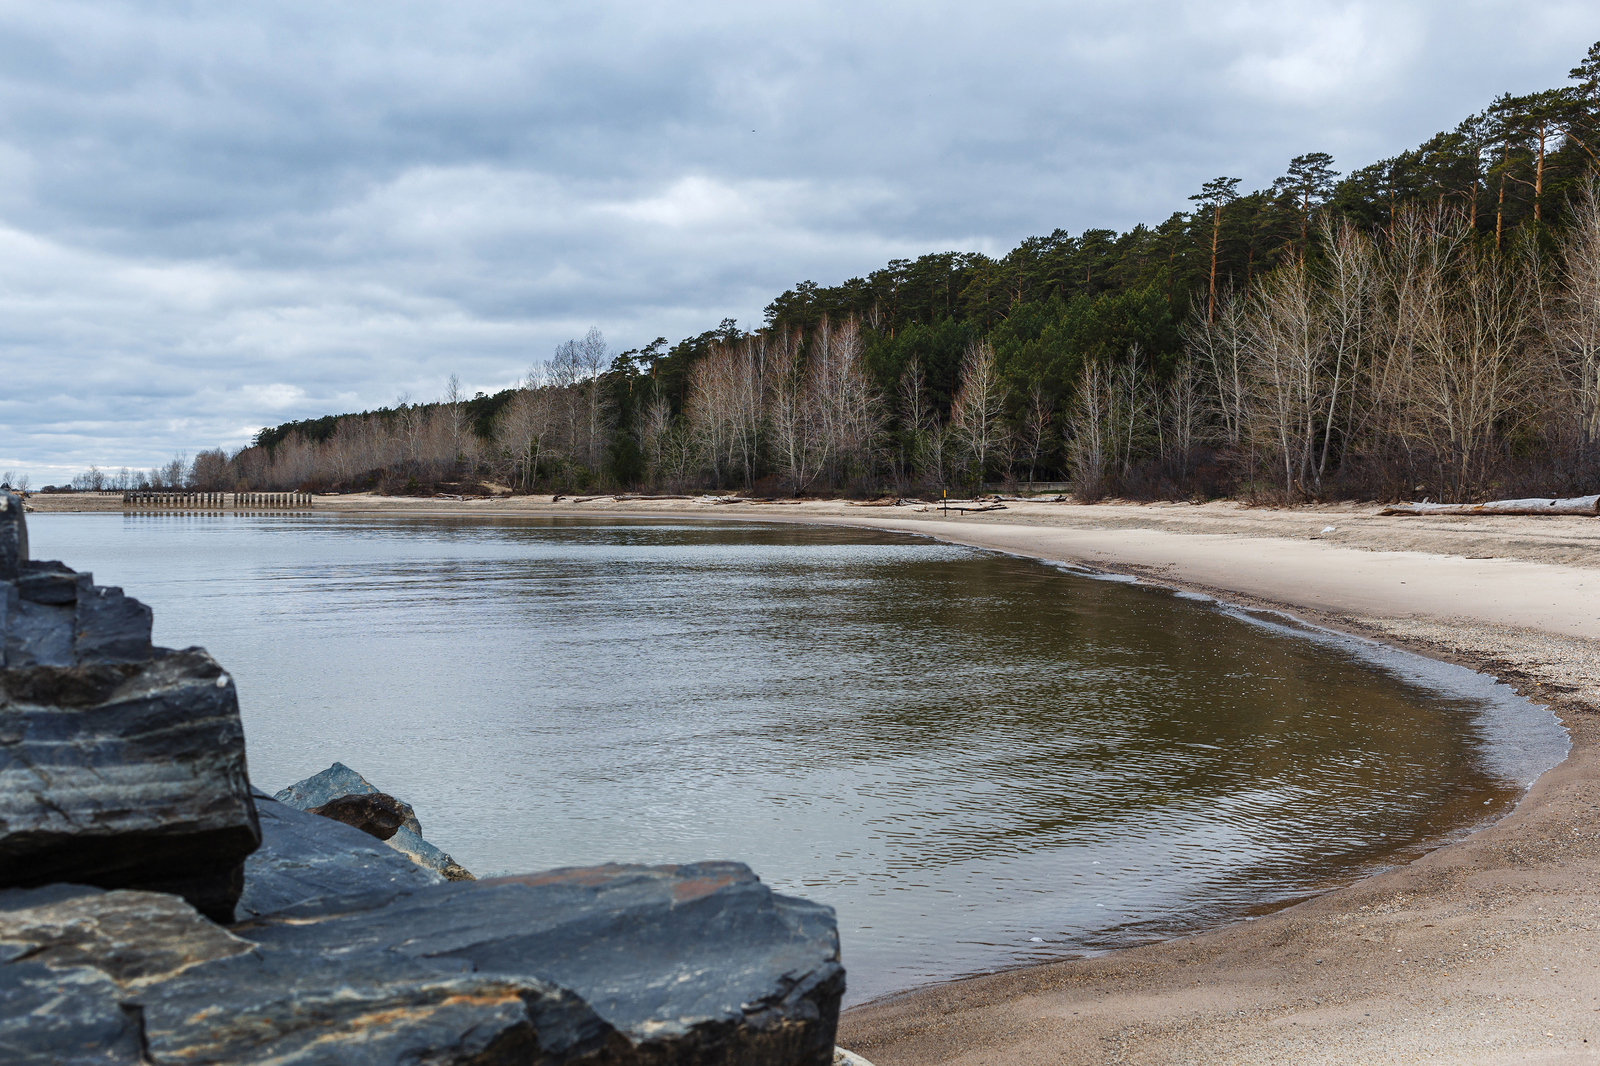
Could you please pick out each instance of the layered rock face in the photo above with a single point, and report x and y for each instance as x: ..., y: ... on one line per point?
x: 620, y: 965
x: 121, y: 765
x: 155, y: 909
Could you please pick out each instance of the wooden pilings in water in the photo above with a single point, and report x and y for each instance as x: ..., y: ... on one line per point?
x: 154, y: 500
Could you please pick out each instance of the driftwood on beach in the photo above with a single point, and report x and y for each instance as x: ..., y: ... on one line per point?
x: 963, y: 506
x: 1575, y: 505
x: 631, y: 497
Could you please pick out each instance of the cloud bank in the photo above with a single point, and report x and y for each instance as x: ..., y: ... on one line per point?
x: 219, y: 217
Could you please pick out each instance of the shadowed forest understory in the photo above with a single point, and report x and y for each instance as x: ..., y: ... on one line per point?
x: 1428, y: 325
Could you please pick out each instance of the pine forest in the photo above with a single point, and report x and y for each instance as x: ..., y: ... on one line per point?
x: 1425, y: 326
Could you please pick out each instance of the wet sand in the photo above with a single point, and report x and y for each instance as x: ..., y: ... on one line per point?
x: 1483, y: 951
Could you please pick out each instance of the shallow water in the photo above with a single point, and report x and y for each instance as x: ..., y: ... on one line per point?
x: 979, y: 760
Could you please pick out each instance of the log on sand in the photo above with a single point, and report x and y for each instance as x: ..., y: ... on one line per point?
x: 621, y: 497
x: 1576, y: 505
x: 964, y: 506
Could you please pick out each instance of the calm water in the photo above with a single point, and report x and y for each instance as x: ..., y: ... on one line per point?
x: 979, y: 760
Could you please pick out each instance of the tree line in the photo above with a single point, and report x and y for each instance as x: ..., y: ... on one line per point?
x: 1429, y: 324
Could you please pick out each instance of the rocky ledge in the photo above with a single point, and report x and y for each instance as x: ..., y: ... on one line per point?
x: 154, y: 908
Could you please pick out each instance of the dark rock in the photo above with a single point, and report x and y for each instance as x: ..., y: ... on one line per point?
x: 38, y: 634
x: 13, y: 536
x: 126, y: 776
x: 51, y: 615
x: 111, y: 627
x: 10, y: 605
x: 338, y: 781
x: 69, y: 954
x: 38, y: 627
x: 311, y: 864
x: 55, y: 583
x: 138, y: 978
x: 374, y: 813
x: 64, y: 618
x: 700, y: 956
x: 621, y: 965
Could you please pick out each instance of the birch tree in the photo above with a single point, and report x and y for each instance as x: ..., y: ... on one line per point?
x: 1574, y: 328
x: 790, y: 415
x: 1286, y: 345
x: 1038, y: 426
x: 524, y: 426
x: 979, y: 403
x: 1090, y: 429
x: 1471, y: 365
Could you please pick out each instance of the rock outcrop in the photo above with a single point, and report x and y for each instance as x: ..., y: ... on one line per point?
x: 121, y: 765
x: 696, y: 964
x: 154, y: 909
x: 336, y: 793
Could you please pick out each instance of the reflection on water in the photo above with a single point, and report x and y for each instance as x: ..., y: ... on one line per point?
x: 979, y: 760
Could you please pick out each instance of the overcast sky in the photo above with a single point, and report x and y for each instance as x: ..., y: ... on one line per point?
x: 215, y: 217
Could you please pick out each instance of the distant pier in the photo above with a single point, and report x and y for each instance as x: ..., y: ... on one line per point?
x: 144, y: 500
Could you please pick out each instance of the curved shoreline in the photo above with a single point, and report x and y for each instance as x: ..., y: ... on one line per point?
x: 1478, y: 952
x: 1484, y: 972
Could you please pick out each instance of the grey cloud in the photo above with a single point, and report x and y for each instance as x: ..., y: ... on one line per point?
x: 215, y: 218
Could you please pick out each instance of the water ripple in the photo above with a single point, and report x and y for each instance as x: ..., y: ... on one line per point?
x: 977, y: 759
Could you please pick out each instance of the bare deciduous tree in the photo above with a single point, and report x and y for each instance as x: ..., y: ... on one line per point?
x: 593, y: 357
x: 847, y: 411
x: 793, y: 439
x: 454, y: 411
x: 1470, y: 352
x: 1038, y: 426
x: 1574, y: 329
x: 208, y: 473
x: 1186, y: 414
x: 1090, y: 429
x: 1286, y: 347
x: 979, y: 403
x: 1217, y: 343
x: 523, y: 427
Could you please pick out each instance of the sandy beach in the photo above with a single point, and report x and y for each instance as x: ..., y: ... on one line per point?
x: 1482, y: 951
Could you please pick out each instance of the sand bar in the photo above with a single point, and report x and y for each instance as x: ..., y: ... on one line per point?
x: 1483, y: 951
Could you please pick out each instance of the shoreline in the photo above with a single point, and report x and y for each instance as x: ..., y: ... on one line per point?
x: 1243, y: 993
x: 1475, y: 952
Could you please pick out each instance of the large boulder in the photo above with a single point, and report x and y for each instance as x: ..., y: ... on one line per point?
x: 121, y: 765
x: 305, y: 860
x: 55, y: 616
x: 621, y: 965
x: 126, y: 776
x: 69, y: 954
